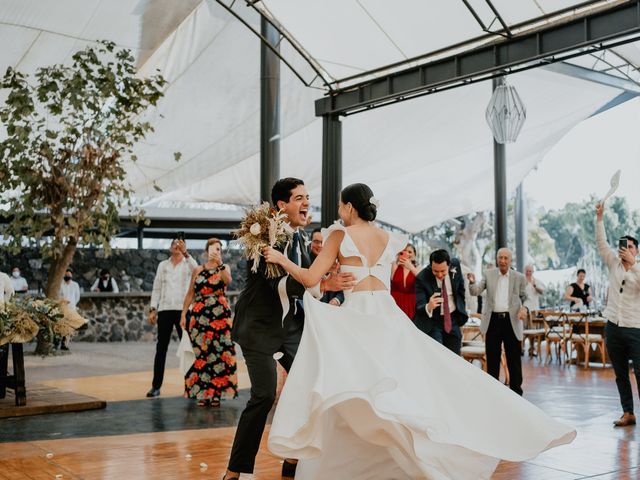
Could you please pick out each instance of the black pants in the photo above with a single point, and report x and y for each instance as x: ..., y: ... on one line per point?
x: 264, y: 379
x: 501, y: 332
x: 167, y: 320
x: 451, y: 340
x: 623, y: 344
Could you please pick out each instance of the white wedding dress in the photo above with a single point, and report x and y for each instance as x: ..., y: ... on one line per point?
x: 369, y: 396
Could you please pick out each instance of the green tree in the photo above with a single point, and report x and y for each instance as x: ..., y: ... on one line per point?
x: 62, y: 176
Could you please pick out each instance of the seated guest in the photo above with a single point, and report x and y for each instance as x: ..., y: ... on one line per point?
x: 579, y: 293
x: 403, y: 280
x: 440, y: 303
x: 534, y: 288
x: 105, y: 283
x: 18, y: 282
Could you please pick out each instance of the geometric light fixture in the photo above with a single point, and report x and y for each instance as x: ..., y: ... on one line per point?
x: 505, y: 113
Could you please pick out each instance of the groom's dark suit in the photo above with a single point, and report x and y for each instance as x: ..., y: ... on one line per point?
x: 426, y: 285
x: 258, y: 327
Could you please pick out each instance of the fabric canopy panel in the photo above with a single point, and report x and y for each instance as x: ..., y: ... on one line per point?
x: 427, y: 159
x: 350, y: 37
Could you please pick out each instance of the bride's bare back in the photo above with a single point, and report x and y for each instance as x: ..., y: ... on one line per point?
x: 371, y: 242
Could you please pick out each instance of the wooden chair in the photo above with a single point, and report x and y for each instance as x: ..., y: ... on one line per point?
x: 581, y: 338
x: 535, y: 334
x: 557, y: 333
x: 473, y: 348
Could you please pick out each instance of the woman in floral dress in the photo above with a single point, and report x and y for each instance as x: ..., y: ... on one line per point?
x: 213, y: 374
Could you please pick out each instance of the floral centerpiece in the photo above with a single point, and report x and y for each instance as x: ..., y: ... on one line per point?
x: 263, y: 226
x: 21, y: 319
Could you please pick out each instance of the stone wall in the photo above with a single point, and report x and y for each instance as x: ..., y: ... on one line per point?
x: 132, y: 269
x: 116, y: 317
x: 119, y: 317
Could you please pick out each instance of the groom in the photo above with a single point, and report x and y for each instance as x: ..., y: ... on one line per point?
x: 269, y: 319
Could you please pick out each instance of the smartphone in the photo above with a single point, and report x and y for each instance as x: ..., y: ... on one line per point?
x: 404, y: 255
x: 623, y: 243
x: 180, y: 236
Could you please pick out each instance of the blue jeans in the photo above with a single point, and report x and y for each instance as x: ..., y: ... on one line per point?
x: 623, y: 344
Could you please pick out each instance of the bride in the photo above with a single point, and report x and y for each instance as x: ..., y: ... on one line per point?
x: 369, y: 396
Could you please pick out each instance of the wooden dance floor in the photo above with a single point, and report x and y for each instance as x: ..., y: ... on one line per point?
x: 171, y: 438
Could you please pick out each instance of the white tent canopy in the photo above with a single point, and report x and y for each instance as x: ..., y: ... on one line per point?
x: 427, y: 159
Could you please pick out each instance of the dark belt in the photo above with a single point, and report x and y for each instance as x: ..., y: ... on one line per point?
x: 500, y: 314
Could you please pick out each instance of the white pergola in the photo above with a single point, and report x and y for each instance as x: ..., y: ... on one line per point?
x: 427, y: 159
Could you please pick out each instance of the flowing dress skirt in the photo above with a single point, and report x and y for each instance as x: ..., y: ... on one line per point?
x: 369, y: 396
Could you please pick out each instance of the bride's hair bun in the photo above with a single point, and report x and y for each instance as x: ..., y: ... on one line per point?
x: 359, y: 195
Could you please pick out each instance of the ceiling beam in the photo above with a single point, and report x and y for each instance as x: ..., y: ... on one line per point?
x: 552, y: 42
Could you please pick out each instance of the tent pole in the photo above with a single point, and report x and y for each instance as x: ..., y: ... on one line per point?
x: 269, y: 111
x: 331, y: 167
x: 500, y: 185
x: 521, y: 229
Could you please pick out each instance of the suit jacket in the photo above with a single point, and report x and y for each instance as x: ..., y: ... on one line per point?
x: 258, y: 324
x: 517, y: 297
x: 426, y: 285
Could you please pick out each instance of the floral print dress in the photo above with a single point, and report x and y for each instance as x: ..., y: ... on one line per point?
x: 213, y: 374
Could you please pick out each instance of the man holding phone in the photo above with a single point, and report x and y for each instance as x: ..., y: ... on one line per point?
x: 622, y: 331
x: 169, y: 289
x: 440, y: 300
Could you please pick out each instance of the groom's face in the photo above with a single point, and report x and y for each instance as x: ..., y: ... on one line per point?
x: 297, y: 208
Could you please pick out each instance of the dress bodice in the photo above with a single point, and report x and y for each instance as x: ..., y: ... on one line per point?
x: 381, y: 269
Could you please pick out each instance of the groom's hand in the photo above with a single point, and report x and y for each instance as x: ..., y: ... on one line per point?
x: 339, y: 281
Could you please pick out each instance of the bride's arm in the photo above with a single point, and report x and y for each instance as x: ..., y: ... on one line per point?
x: 321, y: 265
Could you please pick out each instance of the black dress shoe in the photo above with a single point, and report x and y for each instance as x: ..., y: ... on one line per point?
x: 154, y: 392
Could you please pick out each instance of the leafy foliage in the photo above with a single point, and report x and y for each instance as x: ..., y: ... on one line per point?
x: 62, y: 173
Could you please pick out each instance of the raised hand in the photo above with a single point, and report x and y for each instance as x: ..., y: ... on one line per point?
x: 272, y: 255
x: 599, y: 211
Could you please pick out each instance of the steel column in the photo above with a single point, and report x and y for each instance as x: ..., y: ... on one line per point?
x: 331, y: 168
x: 522, y: 247
x: 500, y: 185
x: 269, y: 111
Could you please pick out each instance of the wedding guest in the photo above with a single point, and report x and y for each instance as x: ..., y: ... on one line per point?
x: 440, y: 300
x: 70, y: 290
x: 332, y: 298
x: 105, y: 283
x: 403, y: 280
x: 503, y: 315
x: 316, y: 243
x: 167, y: 297
x: 69, y: 294
x: 534, y: 289
x: 208, y: 316
x: 579, y: 293
x: 622, y: 331
x: 18, y: 282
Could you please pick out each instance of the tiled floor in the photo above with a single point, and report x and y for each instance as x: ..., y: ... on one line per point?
x: 138, y: 438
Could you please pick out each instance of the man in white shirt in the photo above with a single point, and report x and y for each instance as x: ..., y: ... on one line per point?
x: 70, y: 290
x: 169, y: 289
x: 18, y: 282
x: 622, y: 332
x: 503, y: 314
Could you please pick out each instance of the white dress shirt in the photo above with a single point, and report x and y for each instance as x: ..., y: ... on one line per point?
x: 171, y: 284
x: 452, y: 302
x: 501, y: 299
x: 533, y: 297
x: 623, y: 309
x: 70, y: 291
x: 19, y: 284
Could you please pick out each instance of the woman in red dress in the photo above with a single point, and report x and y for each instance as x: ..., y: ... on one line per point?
x: 403, y: 280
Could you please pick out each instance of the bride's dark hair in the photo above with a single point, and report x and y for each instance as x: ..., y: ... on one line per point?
x: 359, y: 195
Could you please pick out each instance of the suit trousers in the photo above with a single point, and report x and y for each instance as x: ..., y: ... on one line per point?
x: 264, y: 379
x: 501, y: 332
x: 451, y: 340
x: 167, y: 320
x: 623, y: 344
